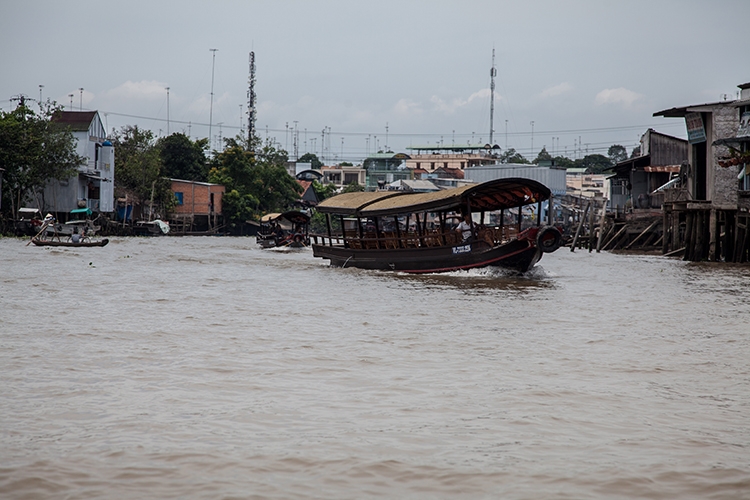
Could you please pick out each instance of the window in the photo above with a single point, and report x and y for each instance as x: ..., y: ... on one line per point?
x: 179, y: 198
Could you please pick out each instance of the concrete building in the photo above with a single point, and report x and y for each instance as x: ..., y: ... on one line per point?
x: 385, y: 168
x: 341, y: 176
x: 93, y: 184
x: 455, y: 156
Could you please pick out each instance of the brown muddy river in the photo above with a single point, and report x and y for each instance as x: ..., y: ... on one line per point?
x: 206, y: 368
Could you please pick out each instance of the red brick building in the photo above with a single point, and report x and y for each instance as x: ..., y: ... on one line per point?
x: 198, y: 205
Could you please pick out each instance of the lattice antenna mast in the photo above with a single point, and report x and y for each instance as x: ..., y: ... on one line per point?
x: 251, y: 101
x: 493, y: 73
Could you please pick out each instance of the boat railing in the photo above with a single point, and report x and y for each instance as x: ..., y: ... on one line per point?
x: 412, y: 239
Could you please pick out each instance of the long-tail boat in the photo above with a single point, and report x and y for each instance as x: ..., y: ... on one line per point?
x: 410, y: 232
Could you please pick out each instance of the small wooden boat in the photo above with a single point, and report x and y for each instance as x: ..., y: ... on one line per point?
x: 156, y: 227
x: 288, y: 229
x: 52, y: 243
x: 409, y: 232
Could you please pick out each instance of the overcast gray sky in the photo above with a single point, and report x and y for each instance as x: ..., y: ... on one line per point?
x: 388, y: 72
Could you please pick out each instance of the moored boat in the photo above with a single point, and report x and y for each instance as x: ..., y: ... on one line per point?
x: 54, y: 243
x: 80, y: 223
x: 410, y: 232
x: 288, y: 229
x: 156, y: 227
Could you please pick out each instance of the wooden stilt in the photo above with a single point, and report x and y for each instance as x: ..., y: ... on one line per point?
x: 592, y: 221
x: 688, y: 236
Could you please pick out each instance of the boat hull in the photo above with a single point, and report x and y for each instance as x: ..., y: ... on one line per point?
x: 48, y: 243
x: 516, y: 255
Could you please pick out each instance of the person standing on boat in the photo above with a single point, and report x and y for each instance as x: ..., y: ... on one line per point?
x: 464, y: 227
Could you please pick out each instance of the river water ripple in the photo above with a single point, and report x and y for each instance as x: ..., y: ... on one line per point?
x: 207, y: 368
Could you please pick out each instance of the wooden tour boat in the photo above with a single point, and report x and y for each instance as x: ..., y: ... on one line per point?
x: 409, y: 232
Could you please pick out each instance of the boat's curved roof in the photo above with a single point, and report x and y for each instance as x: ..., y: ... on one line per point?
x: 351, y: 203
x: 492, y: 195
x: 292, y: 216
x: 270, y: 217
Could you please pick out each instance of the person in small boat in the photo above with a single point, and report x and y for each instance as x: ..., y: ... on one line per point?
x: 75, y: 237
x: 464, y: 228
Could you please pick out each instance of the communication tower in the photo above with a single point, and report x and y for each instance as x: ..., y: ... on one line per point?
x: 251, y: 101
x: 493, y: 73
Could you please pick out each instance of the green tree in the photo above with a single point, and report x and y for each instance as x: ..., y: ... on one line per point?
x: 564, y: 161
x: 312, y: 159
x: 617, y: 153
x: 595, y: 164
x: 510, y: 155
x: 324, y: 191
x: 139, y: 169
x: 256, y: 181
x: 353, y: 188
x: 33, y: 151
x: 542, y: 156
x: 182, y: 158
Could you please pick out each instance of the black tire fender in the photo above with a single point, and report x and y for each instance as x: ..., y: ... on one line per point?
x: 548, y: 239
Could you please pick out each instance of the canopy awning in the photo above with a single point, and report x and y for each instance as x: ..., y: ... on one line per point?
x: 82, y: 211
x: 493, y: 195
x: 292, y: 216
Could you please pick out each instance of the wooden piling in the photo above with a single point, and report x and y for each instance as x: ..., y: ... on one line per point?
x: 592, y: 220
x: 688, y: 236
x: 580, y: 225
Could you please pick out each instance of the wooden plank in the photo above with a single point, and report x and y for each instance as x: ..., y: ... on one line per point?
x: 649, y: 228
x: 614, y: 238
x: 674, y: 252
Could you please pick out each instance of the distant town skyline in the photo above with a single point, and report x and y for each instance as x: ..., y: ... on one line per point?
x: 574, y: 77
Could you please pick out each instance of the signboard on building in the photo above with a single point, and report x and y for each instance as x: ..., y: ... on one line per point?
x: 695, y: 130
x: 744, y: 129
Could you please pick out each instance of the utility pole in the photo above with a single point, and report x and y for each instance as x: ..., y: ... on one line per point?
x: 493, y: 72
x: 532, y: 137
x: 323, y: 146
x: 167, y: 89
x: 251, y: 100
x: 211, y: 108
x: 71, y: 101
x: 40, y: 96
x: 295, y: 141
x: 81, y: 106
